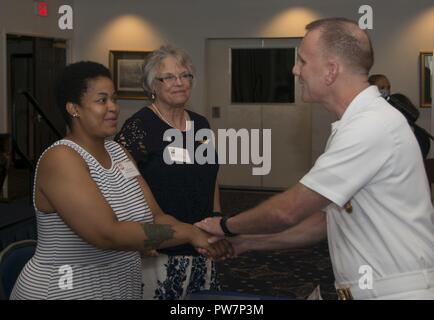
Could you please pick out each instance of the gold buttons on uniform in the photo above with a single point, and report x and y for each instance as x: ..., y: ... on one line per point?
x: 348, y: 207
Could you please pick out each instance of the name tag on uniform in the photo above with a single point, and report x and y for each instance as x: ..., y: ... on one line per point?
x: 128, y: 169
x: 179, y: 155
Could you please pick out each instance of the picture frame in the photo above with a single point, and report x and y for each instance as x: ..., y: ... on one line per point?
x: 426, y: 78
x: 126, y: 69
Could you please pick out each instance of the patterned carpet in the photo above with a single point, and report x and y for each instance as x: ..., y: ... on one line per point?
x: 280, y: 274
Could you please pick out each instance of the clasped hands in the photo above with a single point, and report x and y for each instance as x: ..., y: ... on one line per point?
x: 209, y: 240
x: 234, y: 245
x: 216, y: 248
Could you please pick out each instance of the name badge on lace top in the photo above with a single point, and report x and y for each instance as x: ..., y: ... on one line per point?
x: 179, y: 155
x: 128, y: 169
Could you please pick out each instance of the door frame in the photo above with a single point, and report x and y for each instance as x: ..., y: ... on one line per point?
x: 5, y: 127
x: 29, y: 113
x: 256, y: 42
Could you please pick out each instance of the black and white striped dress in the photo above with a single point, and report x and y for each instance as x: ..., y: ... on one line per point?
x: 67, y: 267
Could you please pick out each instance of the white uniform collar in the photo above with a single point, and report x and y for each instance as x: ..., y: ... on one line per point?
x: 362, y: 99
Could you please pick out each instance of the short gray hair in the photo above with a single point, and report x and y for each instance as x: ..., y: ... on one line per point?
x: 344, y: 38
x: 154, y: 60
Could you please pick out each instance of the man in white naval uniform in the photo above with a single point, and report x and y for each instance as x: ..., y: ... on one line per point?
x: 367, y: 193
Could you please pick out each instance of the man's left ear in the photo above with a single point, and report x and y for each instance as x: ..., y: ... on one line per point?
x: 332, y: 72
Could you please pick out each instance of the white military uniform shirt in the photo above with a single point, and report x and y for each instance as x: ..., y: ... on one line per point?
x: 373, y: 161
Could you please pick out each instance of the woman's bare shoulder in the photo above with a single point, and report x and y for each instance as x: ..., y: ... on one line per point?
x: 61, y: 157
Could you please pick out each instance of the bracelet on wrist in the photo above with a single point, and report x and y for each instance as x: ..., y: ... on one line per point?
x: 225, y: 227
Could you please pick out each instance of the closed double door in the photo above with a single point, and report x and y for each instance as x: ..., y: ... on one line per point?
x: 247, y: 89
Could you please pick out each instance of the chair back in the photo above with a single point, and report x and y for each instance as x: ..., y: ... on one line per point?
x: 12, y: 260
x: 5, y: 157
x: 429, y: 167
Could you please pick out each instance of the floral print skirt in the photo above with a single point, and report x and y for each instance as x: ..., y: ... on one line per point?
x: 175, y: 277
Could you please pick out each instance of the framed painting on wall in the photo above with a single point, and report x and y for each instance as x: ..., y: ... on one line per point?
x: 126, y: 69
x: 426, y: 78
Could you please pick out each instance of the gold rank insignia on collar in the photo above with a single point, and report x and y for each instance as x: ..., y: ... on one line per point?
x: 344, y: 294
x: 348, y: 207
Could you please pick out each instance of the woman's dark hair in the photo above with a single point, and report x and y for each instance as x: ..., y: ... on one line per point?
x: 73, y: 83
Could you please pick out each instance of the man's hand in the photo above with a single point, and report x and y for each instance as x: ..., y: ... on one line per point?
x: 222, y: 246
x: 239, y: 245
x: 211, y: 225
x: 216, y: 250
x: 150, y: 253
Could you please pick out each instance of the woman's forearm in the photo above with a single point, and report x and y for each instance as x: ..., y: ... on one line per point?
x: 143, y: 237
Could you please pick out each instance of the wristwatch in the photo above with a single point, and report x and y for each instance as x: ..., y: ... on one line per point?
x: 225, y: 228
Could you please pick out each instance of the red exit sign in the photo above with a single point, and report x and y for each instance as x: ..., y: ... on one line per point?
x: 41, y: 8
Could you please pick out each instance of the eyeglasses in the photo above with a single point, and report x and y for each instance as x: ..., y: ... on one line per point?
x: 170, y: 79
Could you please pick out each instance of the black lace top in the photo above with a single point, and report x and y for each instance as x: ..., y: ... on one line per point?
x: 185, y: 191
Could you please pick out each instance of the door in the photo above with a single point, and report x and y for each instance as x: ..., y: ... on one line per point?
x: 34, y: 65
x: 290, y: 121
x: 21, y: 79
x: 50, y: 59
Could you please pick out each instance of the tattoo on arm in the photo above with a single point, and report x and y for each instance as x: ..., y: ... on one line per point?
x: 156, y: 234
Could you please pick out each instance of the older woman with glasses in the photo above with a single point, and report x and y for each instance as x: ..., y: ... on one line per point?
x: 190, y: 191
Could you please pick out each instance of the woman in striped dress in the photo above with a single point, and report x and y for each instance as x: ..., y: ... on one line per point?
x: 95, y: 213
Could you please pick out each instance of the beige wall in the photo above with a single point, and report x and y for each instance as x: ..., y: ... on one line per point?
x: 18, y: 17
x: 400, y: 31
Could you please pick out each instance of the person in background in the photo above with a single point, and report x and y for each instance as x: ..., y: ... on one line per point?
x: 383, y: 84
x: 378, y: 219
x: 406, y: 107
x: 188, y: 192
x: 411, y: 113
x: 94, y: 211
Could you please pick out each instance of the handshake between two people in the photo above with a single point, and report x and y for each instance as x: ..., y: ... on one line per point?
x: 208, y: 239
x: 217, y: 241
